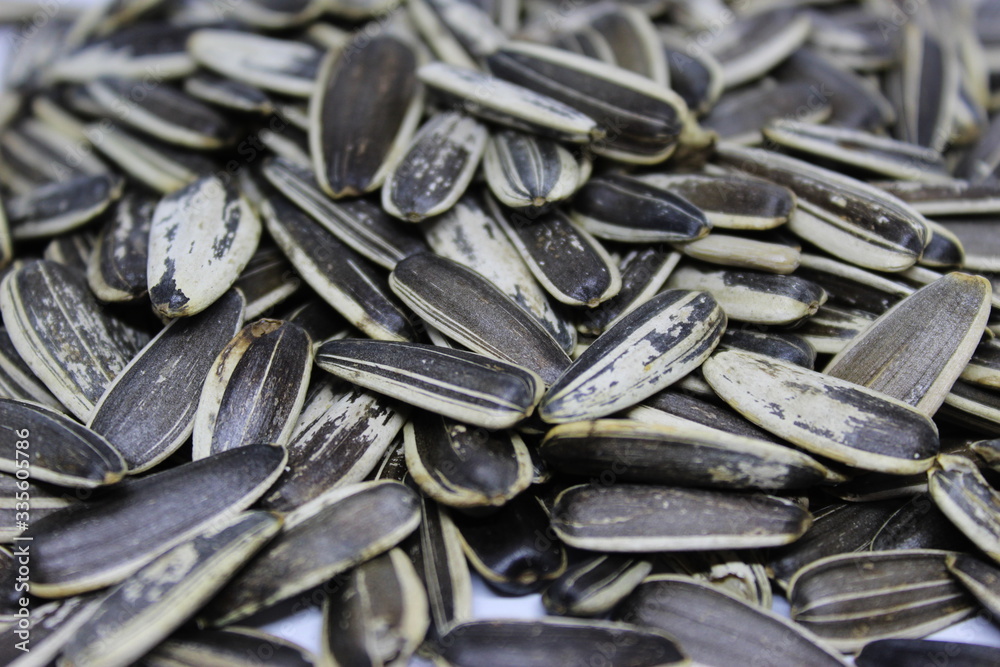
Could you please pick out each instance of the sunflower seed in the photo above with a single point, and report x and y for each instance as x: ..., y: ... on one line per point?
x: 643, y: 274
x: 52, y: 626
x: 917, y: 651
x: 965, y: 497
x: 379, y: 616
x: 340, y: 436
x: 787, y: 346
x: 647, y: 518
x: 255, y: 389
x: 464, y: 386
x: 958, y: 197
x: 436, y: 169
x: 730, y: 202
x: 851, y: 286
x: 919, y: 525
x: 656, y: 454
x: 753, y: 296
x: 542, y: 642
x: 525, y: 170
x: 360, y: 224
x: 685, y: 410
x: 116, y: 271
x: 859, y: 149
x: 824, y: 415
x: 882, y: 357
x: 228, y: 94
x: 594, y: 584
x: 60, y: 451
x: 854, y: 102
x: 740, y: 252
x: 354, y: 146
x: 944, y: 248
x: 620, y: 208
x: 459, y: 32
x: 60, y: 207
x: 344, y: 280
x: 838, y: 528
x: 132, y: 52
x: 278, y: 65
x: 18, y: 381
x: 718, y: 629
x: 470, y: 236
x: 853, y: 39
x: 974, y: 406
x: 90, y: 546
x: 158, y: 166
x: 200, y: 240
x: 852, y: 599
x: 138, y: 614
x: 267, y: 280
x: 653, y: 346
x: 977, y: 237
x: 740, y: 115
x: 49, y: 151
x: 233, y: 647
x: 980, y: 579
x: 443, y: 568
x: 280, y: 14
x: 568, y: 262
x: 643, y: 120
x: 318, y: 543
x: 451, y: 297
x: 465, y: 467
x: 502, y: 102
x: 513, y: 549
x: 163, y: 112
x: 695, y: 75
x: 849, y: 219
x: 58, y: 329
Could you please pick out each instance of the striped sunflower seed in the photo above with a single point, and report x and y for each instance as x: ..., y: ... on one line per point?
x: 228, y: 94
x: 718, y: 629
x: 343, y: 279
x: 507, y: 104
x: 436, y: 168
x: 360, y: 224
x: 379, y: 615
x: 694, y: 75
x: 650, y: 348
x: 916, y: 350
x: 853, y: 287
x: 594, y: 584
x: 267, y: 280
x: 116, y: 271
x: 751, y: 46
x: 741, y: 252
x: 513, y: 549
x: 847, y: 218
x: 569, y: 263
x: 281, y: 66
x: 53, y: 625
x: 18, y: 381
x: 787, y: 346
x: 60, y: 451
x: 525, y: 170
x: 976, y: 237
x: 852, y: 599
x: 469, y: 235
x: 944, y: 248
x: 89, y: 546
x: 233, y: 647
x: 965, y: 497
x: 676, y: 408
x: 159, y: 166
x: 957, y: 197
x: 826, y: 416
x: 255, y: 389
x: 458, y: 32
x: 148, y: 410
x: 643, y: 274
x: 280, y: 14
x: 912, y: 651
x: 339, y: 438
x: 752, y: 296
x: 132, y: 52
x: 659, y: 454
x: 465, y: 307
x: 354, y: 146
x: 60, y: 207
x: 542, y: 642
x: 141, y: 612
x: 200, y: 240
x: 72, y: 251
x: 318, y: 543
x: 60, y: 332
x: 465, y: 467
x: 437, y: 554
x: 621, y: 208
x: 163, y: 112
x: 919, y: 524
x: 740, y: 115
x: 464, y: 386
x: 642, y: 120
x: 649, y: 518
x: 980, y: 579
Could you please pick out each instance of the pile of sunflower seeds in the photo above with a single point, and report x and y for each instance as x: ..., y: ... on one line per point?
x: 656, y: 307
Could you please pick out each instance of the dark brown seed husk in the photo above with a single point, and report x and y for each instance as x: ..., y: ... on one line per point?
x: 594, y: 584
x: 914, y: 652
x: 57, y: 208
x: 965, y: 497
x: 117, y: 268
x: 232, y: 647
x: 982, y: 580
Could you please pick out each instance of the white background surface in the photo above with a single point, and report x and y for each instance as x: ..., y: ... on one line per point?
x: 304, y: 627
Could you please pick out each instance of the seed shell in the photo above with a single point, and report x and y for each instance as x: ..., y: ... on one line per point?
x: 437, y: 553
x: 57, y: 208
x: 464, y: 386
x: 116, y: 271
x: 156, y: 165
x: 148, y: 410
x: 282, y: 66
x: 132, y: 52
x: 93, y: 545
x: 526, y: 170
x: 885, y: 652
x: 318, y: 543
x: 980, y: 579
x: 653, y: 346
x: 594, y: 584
x: 824, y: 415
x: 965, y: 497
x: 751, y: 46
x: 200, y: 240
x: 138, y: 614
x: 643, y: 274
x: 255, y: 389
x: 233, y: 647
x: 378, y: 617
x: 649, y: 518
